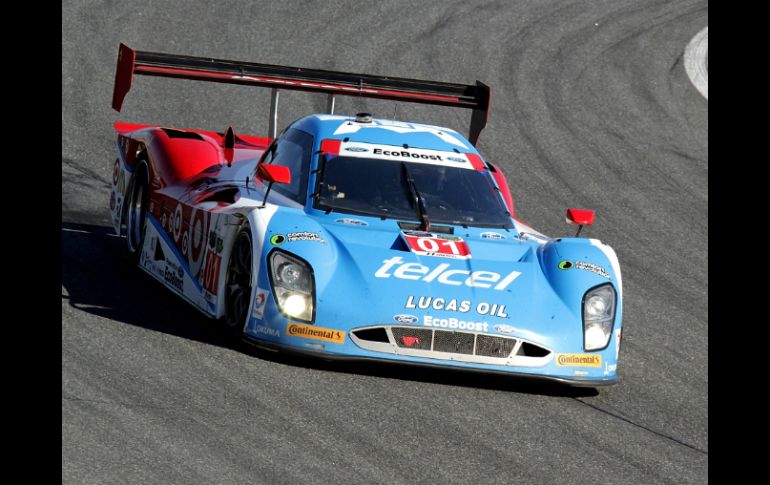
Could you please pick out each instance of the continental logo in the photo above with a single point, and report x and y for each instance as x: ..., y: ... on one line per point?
x: 317, y: 333
x: 578, y: 360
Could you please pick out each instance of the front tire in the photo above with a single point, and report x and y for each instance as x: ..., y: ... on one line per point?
x: 238, y: 282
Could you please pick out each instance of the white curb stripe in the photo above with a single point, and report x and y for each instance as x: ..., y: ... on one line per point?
x: 696, y: 63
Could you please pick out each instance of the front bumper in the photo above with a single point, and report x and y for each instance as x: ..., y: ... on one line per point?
x: 350, y: 352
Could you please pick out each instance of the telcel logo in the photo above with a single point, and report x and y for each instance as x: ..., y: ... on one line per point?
x: 444, y: 275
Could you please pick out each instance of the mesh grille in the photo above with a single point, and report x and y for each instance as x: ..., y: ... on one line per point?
x: 448, y: 341
x: 490, y: 346
x: 412, y: 338
x: 455, y: 342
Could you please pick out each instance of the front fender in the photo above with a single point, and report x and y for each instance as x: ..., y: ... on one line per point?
x: 575, y: 265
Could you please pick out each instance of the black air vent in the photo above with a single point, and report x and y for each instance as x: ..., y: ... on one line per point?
x: 529, y: 350
x: 411, y: 226
x: 172, y: 133
x: 227, y: 195
x: 372, y: 334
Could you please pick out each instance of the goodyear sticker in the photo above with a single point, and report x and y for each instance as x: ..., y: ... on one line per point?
x: 578, y: 360
x: 317, y: 333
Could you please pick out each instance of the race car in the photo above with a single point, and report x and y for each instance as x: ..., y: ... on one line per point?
x: 356, y: 237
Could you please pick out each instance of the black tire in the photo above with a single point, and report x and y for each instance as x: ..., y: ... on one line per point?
x: 238, y: 282
x: 137, y: 198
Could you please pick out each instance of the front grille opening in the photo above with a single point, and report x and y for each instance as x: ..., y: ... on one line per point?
x: 372, y: 334
x: 490, y: 346
x: 529, y: 350
x: 455, y: 342
x: 412, y: 338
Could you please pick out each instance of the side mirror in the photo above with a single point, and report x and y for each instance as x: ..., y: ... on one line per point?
x: 273, y: 174
x: 580, y: 217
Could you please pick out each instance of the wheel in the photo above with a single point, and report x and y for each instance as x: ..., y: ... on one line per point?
x: 136, y: 210
x: 238, y: 283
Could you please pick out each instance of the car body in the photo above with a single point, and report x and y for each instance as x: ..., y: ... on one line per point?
x: 352, y: 237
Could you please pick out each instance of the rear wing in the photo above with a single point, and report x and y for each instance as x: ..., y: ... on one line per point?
x: 131, y: 62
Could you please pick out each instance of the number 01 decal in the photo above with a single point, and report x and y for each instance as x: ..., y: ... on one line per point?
x: 428, y: 244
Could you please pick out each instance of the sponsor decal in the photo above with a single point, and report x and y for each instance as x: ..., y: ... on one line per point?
x: 502, y: 328
x: 610, y: 368
x: 580, y: 372
x: 454, y: 323
x: 594, y: 268
x: 455, y: 305
x: 317, y: 333
x: 352, y: 222
x: 408, y: 154
x: 176, y: 222
x: 215, y: 242
x: 259, y: 304
x: 578, y: 360
x: 277, y: 240
x: 444, y: 275
x: 428, y: 244
x: 173, y: 278
x: 405, y: 318
x: 272, y: 332
x: 304, y: 236
x: 196, y: 227
x: 211, y: 272
x: 534, y: 237
x: 491, y: 235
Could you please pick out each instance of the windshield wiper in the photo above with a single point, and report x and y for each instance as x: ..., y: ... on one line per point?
x: 416, y: 197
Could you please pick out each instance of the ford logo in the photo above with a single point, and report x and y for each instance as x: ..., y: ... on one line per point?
x: 405, y: 318
x: 356, y: 149
x: 504, y: 328
x: 353, y: 222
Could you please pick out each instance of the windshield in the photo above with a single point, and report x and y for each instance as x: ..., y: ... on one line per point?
x: 450, y: 195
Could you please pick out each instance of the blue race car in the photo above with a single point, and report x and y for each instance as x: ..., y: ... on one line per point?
x: 352, y: 237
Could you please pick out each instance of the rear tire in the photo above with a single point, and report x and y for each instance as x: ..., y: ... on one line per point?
x: 238, y: 282
x: 137, y: 199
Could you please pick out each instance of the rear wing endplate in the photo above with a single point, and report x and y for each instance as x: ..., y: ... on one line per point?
x: 471, y: 96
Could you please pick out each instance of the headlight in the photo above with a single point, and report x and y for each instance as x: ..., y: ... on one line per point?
x: 293, y: 285
x: 598, y: 315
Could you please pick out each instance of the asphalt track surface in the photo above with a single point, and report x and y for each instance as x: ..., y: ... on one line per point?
x: 591, y: 107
